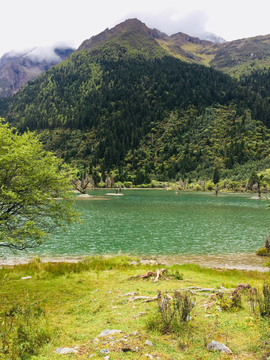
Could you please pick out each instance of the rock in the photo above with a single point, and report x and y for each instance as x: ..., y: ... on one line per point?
x: 215, y: 346
x: 26, y: 277
x: 109, y: 332
x: 134, y: 333
x: 96, y: 339
x: 105, y: 351
x: 137, y: 348
x: 91, y: 356
x: 148, y: 342
x: 106, y: 358
x: 149, y: 356
x: 65, y: 350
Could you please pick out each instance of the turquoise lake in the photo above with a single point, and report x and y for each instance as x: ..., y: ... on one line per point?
x: 159, y: 222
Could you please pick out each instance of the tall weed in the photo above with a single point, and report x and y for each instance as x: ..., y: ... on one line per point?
x: 173, y: 313
x: 23, y: 329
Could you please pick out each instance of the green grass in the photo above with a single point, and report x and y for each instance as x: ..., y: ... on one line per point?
x: 70, y: 304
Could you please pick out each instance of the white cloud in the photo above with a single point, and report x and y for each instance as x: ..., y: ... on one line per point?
x: 43, y: 53
x: 31, y: 23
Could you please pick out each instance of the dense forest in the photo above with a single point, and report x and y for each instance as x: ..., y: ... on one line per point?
x: 131, y: 109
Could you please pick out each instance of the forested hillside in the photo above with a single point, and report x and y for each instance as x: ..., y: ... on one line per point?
x: 127, y: 106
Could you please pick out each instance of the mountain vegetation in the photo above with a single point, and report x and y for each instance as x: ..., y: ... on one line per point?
x: 123, y: 106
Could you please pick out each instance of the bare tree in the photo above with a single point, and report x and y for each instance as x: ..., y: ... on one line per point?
x: 82, y: 184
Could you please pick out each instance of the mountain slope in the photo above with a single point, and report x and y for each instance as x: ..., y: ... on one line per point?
x: 122, y: 103
x: 17, y: 69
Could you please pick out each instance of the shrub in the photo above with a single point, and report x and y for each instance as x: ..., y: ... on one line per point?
x: 230, y: 302
x: 209, y: 185
x: 176, y: 274
x: 197, y: 187
x: 264, y: 301
x: 23, y: 329
x: 260, y: 302
x: 173, y: 313
x: 128, y: 184
x: 262, y: 251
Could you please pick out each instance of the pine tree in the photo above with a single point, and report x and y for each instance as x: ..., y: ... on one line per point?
x: 216, y: 176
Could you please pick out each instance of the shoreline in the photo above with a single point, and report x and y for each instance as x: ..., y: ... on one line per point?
x: 245, y: 262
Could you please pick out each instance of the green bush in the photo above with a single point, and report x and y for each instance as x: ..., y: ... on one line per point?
x: 209, y: 185
x: 264, y: 301
x: 173, y: 313
x: 128, y: 184
x: 23, y: 329
x: 262, y: 252
x: 230, y: 302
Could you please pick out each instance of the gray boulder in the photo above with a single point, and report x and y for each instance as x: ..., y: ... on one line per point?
x: 216, y: 346
x: 109, y: 332
x: 105, y: 351
x: 149, y: 343
x: 65, y: 350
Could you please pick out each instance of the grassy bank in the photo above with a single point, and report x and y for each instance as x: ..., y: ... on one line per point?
x: 69, y: 305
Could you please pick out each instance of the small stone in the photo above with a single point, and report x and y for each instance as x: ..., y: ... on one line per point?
x: 105, y: 351
x: 90, y: 356
x: 65, y: 350
x: 106, y: 357
x: 219, y: 309
x: 216, y: 346
x: 111, y: 338
x: 109, y: 332
x: 134, y: 333
x: 26, y: 277
x: 119, y: 314
x: 104, y: 342
x: 137, y: 348
x: 149, y: 356
x: 148, y: 342
x: 189, y: 318
x: 96, y: 339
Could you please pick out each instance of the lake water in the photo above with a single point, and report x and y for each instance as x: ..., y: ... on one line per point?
x: 162, y: 223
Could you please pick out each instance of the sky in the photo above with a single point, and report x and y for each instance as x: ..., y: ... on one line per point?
x: 30, y: 23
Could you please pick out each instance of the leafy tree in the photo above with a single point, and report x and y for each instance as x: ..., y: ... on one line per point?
x: 254, y: 179
x: 216, y: 176
x: 30, y: 179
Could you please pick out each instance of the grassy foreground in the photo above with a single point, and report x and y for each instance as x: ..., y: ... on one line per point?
x: 68, y: 305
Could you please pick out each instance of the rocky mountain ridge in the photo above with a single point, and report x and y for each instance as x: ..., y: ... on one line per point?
x: 236, y: 58
x: 17, y: 69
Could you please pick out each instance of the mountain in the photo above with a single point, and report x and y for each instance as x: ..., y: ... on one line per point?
x: 122, y: 103
x: 16, y: 69
x: 236, y: 58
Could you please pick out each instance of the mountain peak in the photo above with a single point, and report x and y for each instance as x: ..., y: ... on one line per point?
x: 124, y: 27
